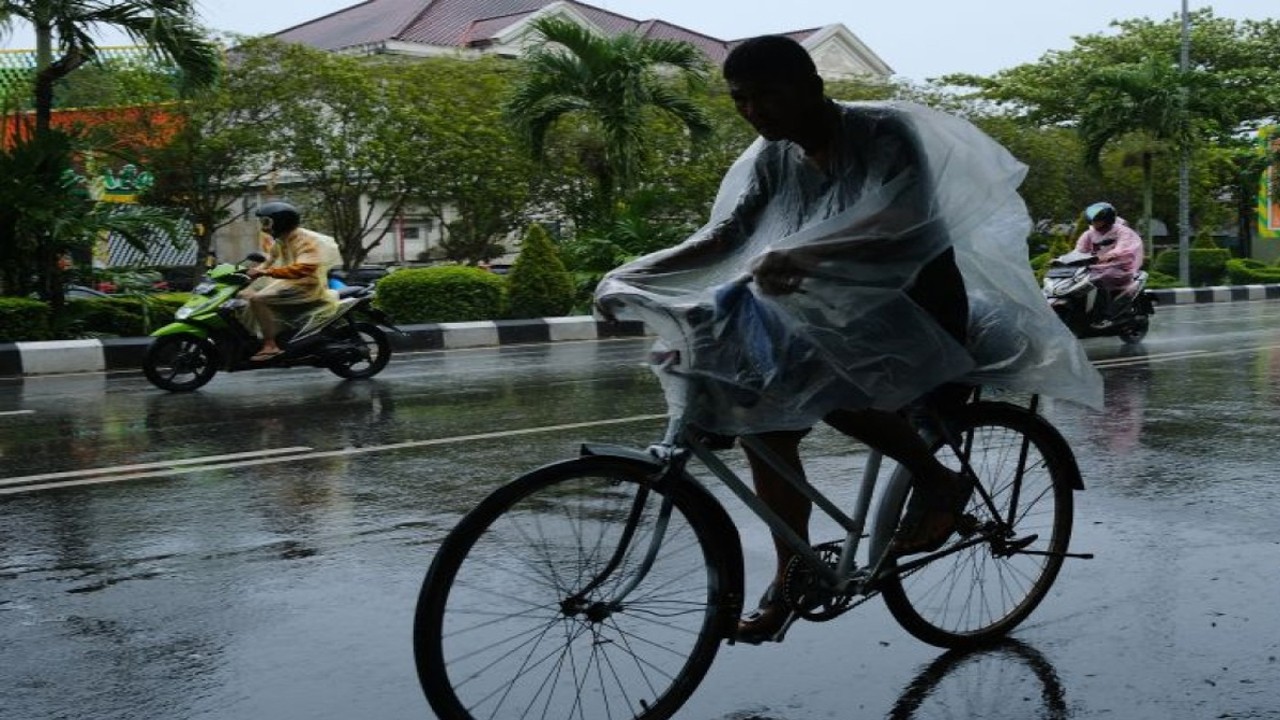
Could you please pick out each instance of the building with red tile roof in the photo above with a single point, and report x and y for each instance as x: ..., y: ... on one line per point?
x: 502, y: 27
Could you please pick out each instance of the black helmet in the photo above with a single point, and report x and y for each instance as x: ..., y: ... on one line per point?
x: 278, y: 218
x: 1100, y: 211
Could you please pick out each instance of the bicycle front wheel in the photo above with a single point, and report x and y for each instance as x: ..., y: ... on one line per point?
x: 582, y: 590
x: 1000, y: 565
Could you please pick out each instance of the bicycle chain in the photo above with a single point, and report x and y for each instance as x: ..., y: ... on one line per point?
x: 803, y: 592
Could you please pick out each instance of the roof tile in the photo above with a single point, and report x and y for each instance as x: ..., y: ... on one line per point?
x: 459, y: 23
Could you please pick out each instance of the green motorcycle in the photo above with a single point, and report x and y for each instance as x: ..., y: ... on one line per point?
x: 207, y: 335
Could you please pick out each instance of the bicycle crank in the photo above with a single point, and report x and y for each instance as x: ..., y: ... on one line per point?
x: 804, y: 592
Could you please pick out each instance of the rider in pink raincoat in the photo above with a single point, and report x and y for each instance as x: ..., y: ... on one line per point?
x: 1118, y: 247
x: 1119, y: 250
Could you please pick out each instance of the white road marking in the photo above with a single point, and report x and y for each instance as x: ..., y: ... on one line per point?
x: 203, y: 460
x: 1143, y: 359
x: 31, y: 483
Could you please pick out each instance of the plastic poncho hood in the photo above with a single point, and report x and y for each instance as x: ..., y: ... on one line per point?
x: 906, y: 184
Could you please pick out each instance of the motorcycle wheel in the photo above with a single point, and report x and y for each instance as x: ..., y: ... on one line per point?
x: 180, y: 363
x: 1134, y: 332
x: 376, y: 352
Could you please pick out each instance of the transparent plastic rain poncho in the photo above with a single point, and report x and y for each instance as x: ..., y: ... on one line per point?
x: 299, y: 292
x: 906, y: 183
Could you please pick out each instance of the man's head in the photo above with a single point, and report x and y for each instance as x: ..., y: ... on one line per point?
x: 775, y: 86
x: 1101, y: 216
x: 278, y: 218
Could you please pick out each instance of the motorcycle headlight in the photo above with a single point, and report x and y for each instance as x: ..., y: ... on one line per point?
x: 204, y: 288
x: 183, y: 313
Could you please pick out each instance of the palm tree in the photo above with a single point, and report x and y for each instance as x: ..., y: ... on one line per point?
x: 46, y: 211
x: 60, y: 218
x: 1167, y: 107
x: 64, y: 38
x: 612, y: 83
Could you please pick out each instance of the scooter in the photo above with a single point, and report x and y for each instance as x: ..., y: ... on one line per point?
x: 1075, y: 299
x: 207, y: 336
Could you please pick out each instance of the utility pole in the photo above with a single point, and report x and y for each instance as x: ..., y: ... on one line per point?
x: 1184, y: 165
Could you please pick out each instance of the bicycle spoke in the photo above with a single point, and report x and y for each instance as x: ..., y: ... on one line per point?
x: 986, y: 583
x: 528, y: 620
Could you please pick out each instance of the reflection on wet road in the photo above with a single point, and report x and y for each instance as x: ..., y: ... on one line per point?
x: 254, y: 550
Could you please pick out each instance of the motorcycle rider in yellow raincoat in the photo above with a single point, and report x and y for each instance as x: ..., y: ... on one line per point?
x: 297, y: 270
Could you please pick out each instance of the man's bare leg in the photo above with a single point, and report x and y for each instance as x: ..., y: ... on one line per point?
x: 266, y: 320
x: 794, y: 509
x: 938, y: 494
x: 893, y: 435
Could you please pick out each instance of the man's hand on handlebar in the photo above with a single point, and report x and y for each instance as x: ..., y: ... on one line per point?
x: 775, y: 273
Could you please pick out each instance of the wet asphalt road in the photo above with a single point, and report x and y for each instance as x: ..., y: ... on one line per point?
x: 273, y: 575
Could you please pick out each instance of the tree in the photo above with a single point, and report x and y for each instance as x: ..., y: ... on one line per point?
x: 64, y: 31
x: 46, y: 213
x: 538, y: 284
x: 1155, y: 100
x: 1058, y: 185
x: 468, y: 170
x: 610, y: 85
x: 220, y: 150
x: 347, y: 130
x: 1233, y: 86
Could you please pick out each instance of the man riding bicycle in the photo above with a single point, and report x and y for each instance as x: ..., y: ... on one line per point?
x: 838, y: 280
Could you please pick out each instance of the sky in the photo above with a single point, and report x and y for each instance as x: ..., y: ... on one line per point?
x: 919, y: 39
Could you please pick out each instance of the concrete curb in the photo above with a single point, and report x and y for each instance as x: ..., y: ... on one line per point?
x: 1216, y: 293
x: 80, y: 356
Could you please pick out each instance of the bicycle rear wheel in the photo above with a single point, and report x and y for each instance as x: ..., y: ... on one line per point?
x: 998, y: 568
x: 528, y: 609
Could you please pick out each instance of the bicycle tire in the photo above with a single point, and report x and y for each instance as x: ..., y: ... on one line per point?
x: 972, y: 596
x: 501, y: 592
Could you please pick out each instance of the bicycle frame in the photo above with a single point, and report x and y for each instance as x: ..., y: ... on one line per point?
x: 845, y: 578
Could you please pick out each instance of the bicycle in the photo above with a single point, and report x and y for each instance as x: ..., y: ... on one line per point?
x: 602, y: 586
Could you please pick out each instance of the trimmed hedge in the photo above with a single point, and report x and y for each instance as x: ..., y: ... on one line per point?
x: 1207, y: 266
x: 1251, y: 272
x: 451, y: 293
x: 123, y: 316
x: 1159, y: 281
x: 538, y: 285
x: 22, y: 319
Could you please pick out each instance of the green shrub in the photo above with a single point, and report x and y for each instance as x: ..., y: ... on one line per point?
x: 1159, y: 281
x: 451, y: 293
x: 538, y: 284
x: 22, y: 319
x: 1251, y: 272
x: 1204, y: 241
x: 1058, y: 245
x: 1207, y: 266
x: 1040, y: 262
x: 122, y: 316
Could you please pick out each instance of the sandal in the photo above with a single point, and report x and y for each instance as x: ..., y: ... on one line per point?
x: 767, y: 622
x: 265, y: 356
x: 932, y: 516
